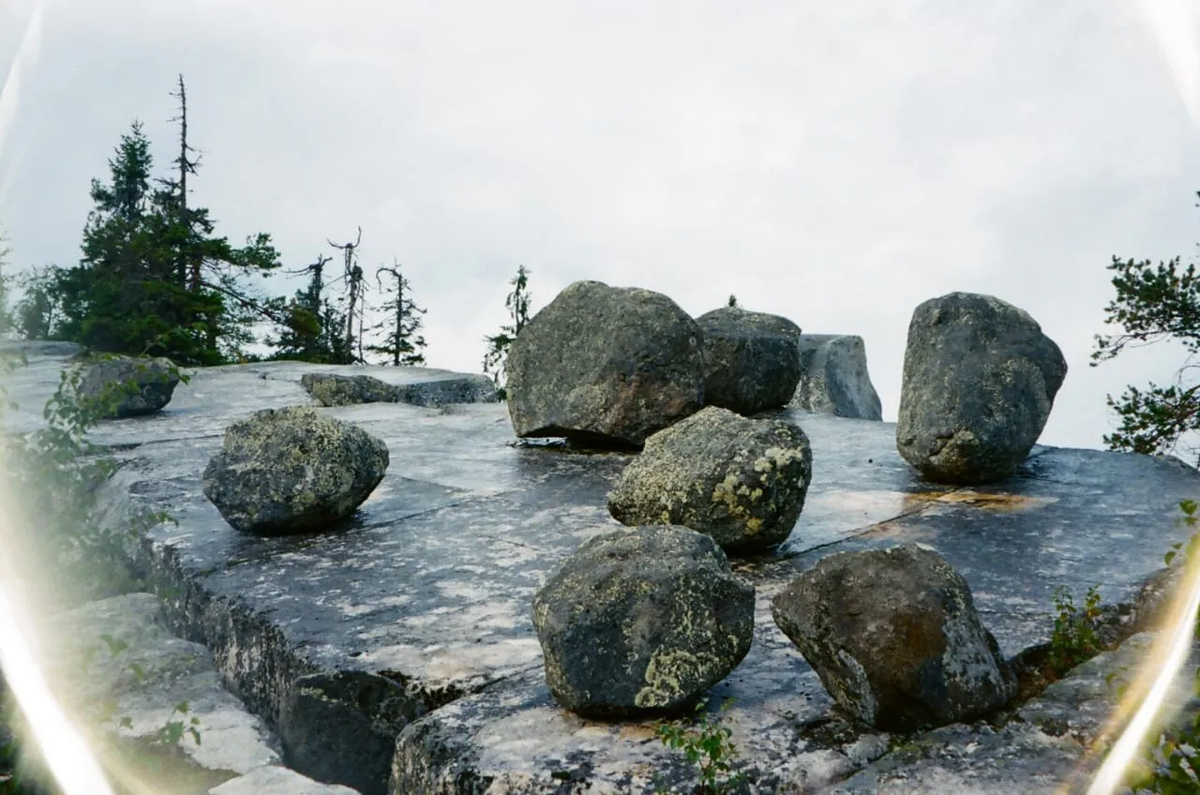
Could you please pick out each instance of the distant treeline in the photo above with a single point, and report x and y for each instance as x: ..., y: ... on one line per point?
x: 156, y: 279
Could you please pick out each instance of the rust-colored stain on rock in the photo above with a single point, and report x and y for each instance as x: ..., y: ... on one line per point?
x: 978, y: 499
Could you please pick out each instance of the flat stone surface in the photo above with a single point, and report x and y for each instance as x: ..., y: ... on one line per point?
x: 430, y: 583
x: 147, y: 675
x: 278, y: 781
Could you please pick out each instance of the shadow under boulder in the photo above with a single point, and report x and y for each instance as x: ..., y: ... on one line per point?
x: 642, y: 621
x: 738, y: 480
x: 293, y: 470
x: 895, y: 638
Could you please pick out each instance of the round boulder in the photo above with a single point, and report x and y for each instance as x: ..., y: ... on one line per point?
x: 895, y: 638
x: 604, y: 365
x: 738, y: 480
x: 642, y: 621
x: 124, y: 386
x: 293, y: 470
x: 979, y: 382
x: 751, y: 359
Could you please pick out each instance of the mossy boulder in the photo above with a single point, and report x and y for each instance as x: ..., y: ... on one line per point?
x: 979, y: 382
x: 642, y: 621
x: 604, y: 365
x: 894, y: 636
x: 293, y: 470
x: 738, y: 480
x: 751, y: 359
x: 125, y: 386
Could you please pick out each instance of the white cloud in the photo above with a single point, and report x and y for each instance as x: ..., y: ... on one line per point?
x: 836, y: 164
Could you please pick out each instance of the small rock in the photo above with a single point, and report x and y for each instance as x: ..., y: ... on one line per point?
x: 741, y: 481
x: 275, y: 780
x: 979, y: 382
x: 751, y: 359
x: 605, y: 365
x: 895, y: 638
x: 292, y: 470
x: 642, y: 620
x: 331, y: 389
x: 834, y: 378
x: 135, y: 386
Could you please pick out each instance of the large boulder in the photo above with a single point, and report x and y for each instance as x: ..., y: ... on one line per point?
x: 293, y: 470
x: 739, y: 480
x: 129, y: 387
x: 332, y: 389
x: 751, y: 359
x: 607, y: 365
x: 895, y: 638
x: 834, y: 378
x: 642, y: 620
x: 979, y: 382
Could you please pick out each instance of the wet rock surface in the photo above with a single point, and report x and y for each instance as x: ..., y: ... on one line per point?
x: 605, y: 365
x: 292, y: 470
x: 336, y: 389
x: 429, y: 584
x: 151, y: 383
x: 895, y: 638
x: 738, y: 480
x: 751, y: 359
x: 834, y: 378
x: 979, y: 382
x: 641, y: 620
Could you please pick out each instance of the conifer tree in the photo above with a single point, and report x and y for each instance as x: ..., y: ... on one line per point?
x: 154, y: 277
x: 517, y: 304
x: 403, y: 345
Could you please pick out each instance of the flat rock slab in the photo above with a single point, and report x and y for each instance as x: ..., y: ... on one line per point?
x: 120, y: 649
x: 429, y: 585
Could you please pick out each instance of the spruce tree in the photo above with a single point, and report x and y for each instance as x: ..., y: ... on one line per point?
x: 154, y: 277
x: 517, y: 304
x: 403, y: 345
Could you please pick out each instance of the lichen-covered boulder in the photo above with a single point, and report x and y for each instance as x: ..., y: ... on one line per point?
x: 331, y: 389
x: 895, y: 638
x: 606, y: 365
x: 129, y: 387
x: 438, y: 389
x: 751, y: 359
x: 834, y: 378
x: 642, y: 620
x: 979, y: 382
x: 293, y: 470
x: 739, y: 480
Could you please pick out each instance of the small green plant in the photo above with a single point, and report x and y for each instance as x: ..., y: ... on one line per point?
x: 707, y: 744
x: 60, y: 471
x: 1074, y: 639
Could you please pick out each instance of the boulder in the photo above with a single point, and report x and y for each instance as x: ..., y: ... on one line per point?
x: 293, y: 470
x: 979, y: 382
x: 751, y: 359
x: 738, y: 480
x: 135, y: 386
x: 642, y: 621
x: 332, y: 389
x: 834, y: 378
x: 894, y: 636
x: 605, y: 365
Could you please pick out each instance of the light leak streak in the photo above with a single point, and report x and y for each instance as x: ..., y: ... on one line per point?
x: 1175, y: 25
x: 1173, y: 652
x: 66, y: 753
x: 10, y: 88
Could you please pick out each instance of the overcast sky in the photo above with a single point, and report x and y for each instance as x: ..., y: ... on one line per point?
x: 833, y: 163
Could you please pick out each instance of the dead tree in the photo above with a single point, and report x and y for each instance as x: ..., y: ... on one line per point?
x: 353, y: 276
